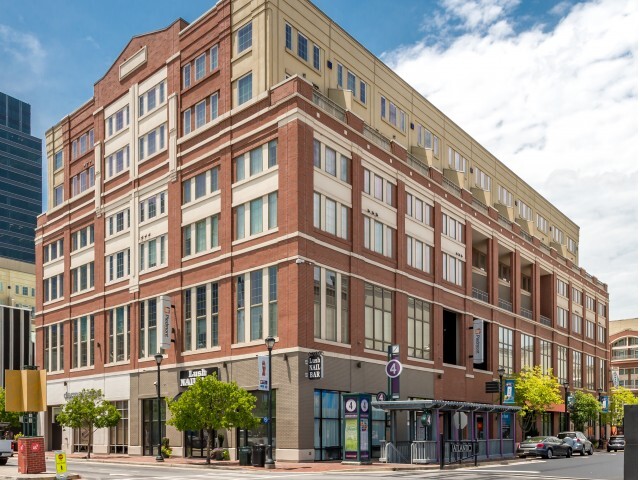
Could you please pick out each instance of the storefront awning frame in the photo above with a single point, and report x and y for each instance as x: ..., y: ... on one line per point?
x: 390, y: 405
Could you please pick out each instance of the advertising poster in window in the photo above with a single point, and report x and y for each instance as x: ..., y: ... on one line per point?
x: 364, y: 439
x: 351, y: 438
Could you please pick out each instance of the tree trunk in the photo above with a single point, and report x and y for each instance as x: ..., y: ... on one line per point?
x: 90, y: 441
x: 209, y: 444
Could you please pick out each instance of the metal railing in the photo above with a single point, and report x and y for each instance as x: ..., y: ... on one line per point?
x: 418, y: 165
x: 424, y: 451
x: 505, y: 304
x: 399, y: 453
x: 383, y: 451
x: 494, y: 448
x: 478, y: 205
x: 545, y: 320
x: 526, y: 313
x: 526, y: 236
x: 504, y: 221
x: 376, y: 138
x: 479, y: 294
x: 545, y: 247
x: 452, y: 187
x: 329, y: 106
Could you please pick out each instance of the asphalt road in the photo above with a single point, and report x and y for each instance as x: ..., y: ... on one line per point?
x: 600, y: 466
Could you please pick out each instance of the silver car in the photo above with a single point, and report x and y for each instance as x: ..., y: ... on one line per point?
x: 546, y: 447
x: 580, y: 442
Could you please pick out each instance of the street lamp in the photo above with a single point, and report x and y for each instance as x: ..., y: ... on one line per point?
x: 269, y: 462
x: 600, y: 416
x: 566, y: 401
x: 159, y: 458
x: 501, y: 374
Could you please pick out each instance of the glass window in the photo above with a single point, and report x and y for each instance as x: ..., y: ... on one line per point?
x: 244, y: 37
x: 419, y: 329
x: 245, y: 89
x: 378, y: 316
x: 213, y: 54
x: 303, y: 48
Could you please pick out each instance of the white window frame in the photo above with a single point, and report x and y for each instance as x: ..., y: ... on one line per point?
x: 111, y: 266
x: 51, y: 350
x: 112, y: 334
x: 243, y: 331
x: 323, y: 328
x: 159, y: 143
x: 111, y: 123
x: 112, y: 161
x: 378, y: 237
x: 452, y: 269
x: 77, y: 273
x: 419, y: 255
x: 160, y: 246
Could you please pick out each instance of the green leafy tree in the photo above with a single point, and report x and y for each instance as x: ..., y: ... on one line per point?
x: 12, y: 418
x: 536, y: 391
x: 618, y: 398
x: 89, y: 410
x: 585, y: 407
x: 210, y: 404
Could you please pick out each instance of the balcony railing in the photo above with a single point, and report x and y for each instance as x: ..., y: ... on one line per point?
x: 505, y: 304
x: 545, y: 247
x: 418, y: 165
x: 329, y: 106
x: 526, y: 236
x: 545, y: 320
x: 376, y: 138
x: 478, y: 205
x: 526, y: 313
x: 504, y: 221
x: 480, y: 295
x: 452, y: 187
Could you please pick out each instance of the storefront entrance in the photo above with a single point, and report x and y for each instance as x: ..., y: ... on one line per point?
x: 150, y: 424
x: 55, y: 440
x: 196, y: 443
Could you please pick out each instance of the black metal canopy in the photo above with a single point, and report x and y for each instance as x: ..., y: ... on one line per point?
x: 389, y: 405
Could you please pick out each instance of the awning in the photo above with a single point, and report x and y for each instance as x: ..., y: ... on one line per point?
x: 389, y: 405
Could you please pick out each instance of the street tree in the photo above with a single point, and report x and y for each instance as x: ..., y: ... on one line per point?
x: 585, y: 407
x: 89, y: 410
x: 536, y: 391
x: 618, y: 398
x: 12, y: 418
x: 210, y: 404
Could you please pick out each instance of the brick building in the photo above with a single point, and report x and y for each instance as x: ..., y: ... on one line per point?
x: 260, y: 172
x: 623, y: 337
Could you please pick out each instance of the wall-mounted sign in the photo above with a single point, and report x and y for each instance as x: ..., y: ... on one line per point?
x: 263, y: 373
x: 189, y: 377
x: 164, y: 307
x: 315, y: 366
x: 478, y: 343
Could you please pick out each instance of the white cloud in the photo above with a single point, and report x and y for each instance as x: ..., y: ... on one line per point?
x: 23, y: 57
x: 559, y: 107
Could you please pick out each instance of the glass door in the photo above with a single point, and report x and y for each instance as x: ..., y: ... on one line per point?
x: 150, y: 424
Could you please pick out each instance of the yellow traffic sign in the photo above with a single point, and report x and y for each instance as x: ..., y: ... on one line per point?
x: 61, y: 462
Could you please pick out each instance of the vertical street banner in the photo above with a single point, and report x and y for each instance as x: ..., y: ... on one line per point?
x: 164, y: 308
x: 615, y: 376
x: 478, y: 343
x: 605, y: 403
x: 263, y: 373
x: 509, y: 393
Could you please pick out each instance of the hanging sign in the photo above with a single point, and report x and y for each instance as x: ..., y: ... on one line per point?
x: 164, y: 307
x: 315, y: 366
x: 605, y: 403
x: 263, y: 373
x: 615, y: 376
x: 189, y: 377
x: 509, y: 393
x: 478, y: 340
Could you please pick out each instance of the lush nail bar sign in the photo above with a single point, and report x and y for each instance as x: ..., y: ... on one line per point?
x: 189, y: 377
x: 315, y: 370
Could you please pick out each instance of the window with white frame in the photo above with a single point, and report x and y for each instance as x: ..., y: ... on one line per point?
x: 577, y: 369
x: 53, y: 287
x: 419, y: 210
x: 456, y: 161
x: 186, y: 76
x: 245, y: 88
x: 119, y: 334
x: 58, y: 195
x: 379, y: 188
x: 118, y: 222
x: 288, y: 36
x: 483, y: 181
x: 317, y: 63
x: 419, y: 339
x: 200, y: 66
x: 201, y: 185
x: 152, y: 207
x: 602, y: 309
x: 201, y: 236
x: 505, y: 350
x: 378, y: 237
x: 602, y: 333
x: 58, y: 160
x: 152, y: 143
x: 303, y: 47
x: 525, y: 211
x: 201, y: 325
x: 82, y: 278
x: 54, y: 250
x: 526, y: 351
x: 563, y: 317
x: 117, y: 162
x: 256, y: 216
x: 118, y: 265
x: 452, y: 228
x: 576, y: 296
x: 244, y: 37
x: 390, y: 112
x: 572, y: 246
x: 542, y: 223
x: 200, y: 116
x: 557, y: 235
x: 118, y: 121
x: 186, y: 122
x: 378, y: 317
x: 257, y: 304
x: 331, y: 216
x: 419, y: 255
x: 452, y: 269
x: 576, y: 324
x: 54, y: 347
x: 152, y: 98
x: 562, y: 288
x: 82, y: 336
x: 82, y: 181
x: 589, y: 329
x: 427, y: 139
x: 82, y: 144
x: 505, y: 197
x: 255, y: 161
x: 330, y: 305
x: 563, y: 368
x: 148, y: 325
x: 590, y: 303
x: 213, y: 58
x: 602, y: 374
x: 213, y: 106
x: 153, y: 253
x: 546, y: 356
x: 335, y: 164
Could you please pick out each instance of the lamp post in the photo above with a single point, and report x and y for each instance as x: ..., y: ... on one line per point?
x: 566, y: 401
x: 600, y: 416
x: 501, y: 374
x: 159, y: 458
x: 269, y: 462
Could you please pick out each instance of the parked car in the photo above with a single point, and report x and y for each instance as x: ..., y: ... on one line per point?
x: 580, y: 442
x: 545, y: 447
x: 6, y: 451
x: 616, y: 442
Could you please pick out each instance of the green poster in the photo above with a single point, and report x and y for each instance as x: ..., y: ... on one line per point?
x: 351, y: 434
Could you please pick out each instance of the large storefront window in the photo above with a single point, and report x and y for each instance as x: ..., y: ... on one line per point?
x: 81, y: 440
x: 150, y: 424
x: 259, y: 434
x: 119, y: 435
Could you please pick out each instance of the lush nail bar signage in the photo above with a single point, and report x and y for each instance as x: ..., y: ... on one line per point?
x: 189, y: 377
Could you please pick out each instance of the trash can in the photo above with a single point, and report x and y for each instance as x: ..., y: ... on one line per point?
x: 257, y: 455
x: 244, y: 455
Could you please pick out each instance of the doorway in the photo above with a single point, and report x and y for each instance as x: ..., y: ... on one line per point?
x: 150, y: 424
x: 450, y: 344
x: 55, y: 441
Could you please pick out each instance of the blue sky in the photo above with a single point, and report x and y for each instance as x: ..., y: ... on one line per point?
x: 549, y: 87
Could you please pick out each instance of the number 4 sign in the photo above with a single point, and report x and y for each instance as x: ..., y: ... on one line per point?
x: 394, y: 368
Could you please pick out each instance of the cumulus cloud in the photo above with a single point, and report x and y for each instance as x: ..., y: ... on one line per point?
x: 20, y: 52
x: 558, y: 105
